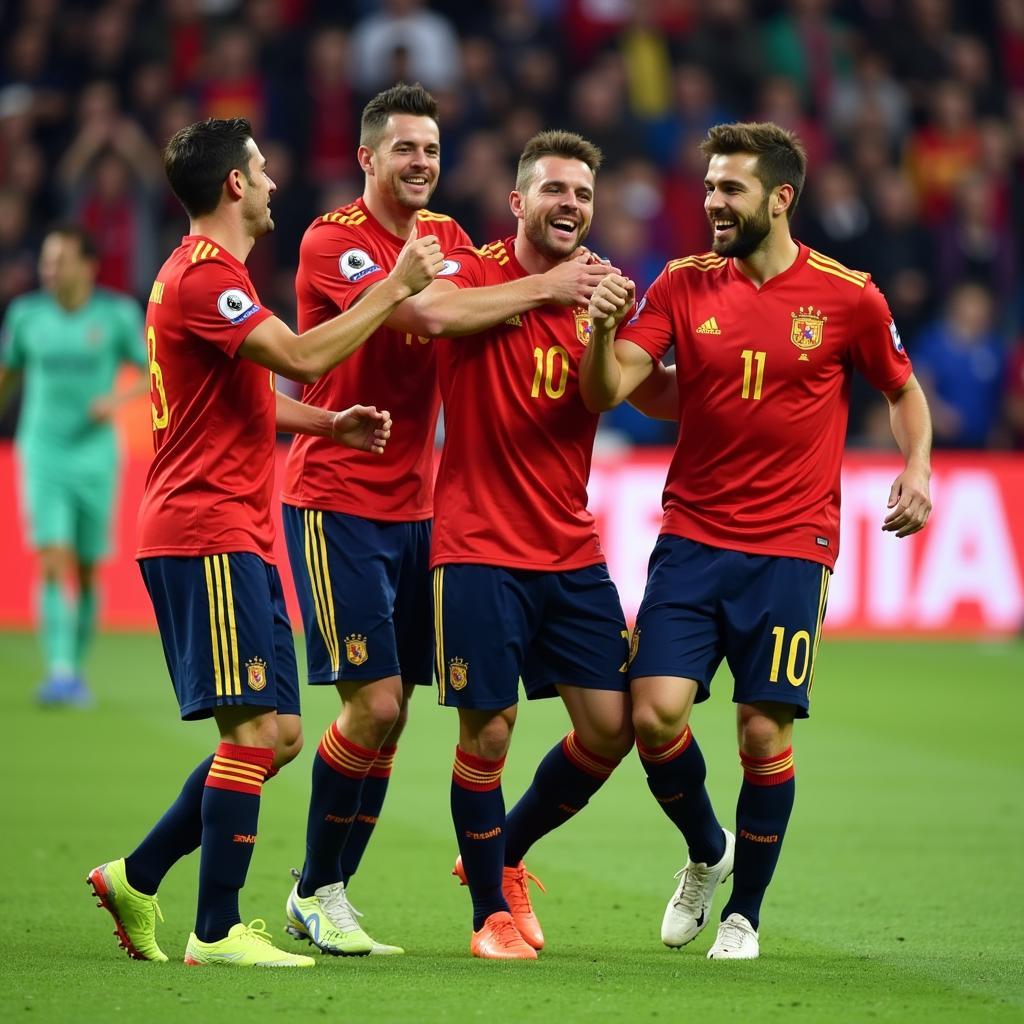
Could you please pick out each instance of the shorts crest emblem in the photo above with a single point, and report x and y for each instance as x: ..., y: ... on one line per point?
x: 458, y: 674
x: 355, y: 649
x: 256, y: 674
x: 807, y: 330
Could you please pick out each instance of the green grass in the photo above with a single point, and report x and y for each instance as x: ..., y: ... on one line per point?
x: 899, y: 895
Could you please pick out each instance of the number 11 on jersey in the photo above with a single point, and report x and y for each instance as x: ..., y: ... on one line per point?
x: 750, y: 357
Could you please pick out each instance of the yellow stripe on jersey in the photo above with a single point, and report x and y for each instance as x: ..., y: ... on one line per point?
x: 211, y: 600
x: 430, y: 215
x: 156, y: 295
x: 702, y: 263
x: 350, y: 216
x: 826, y: 576
x: 195, y: 251
x: 204, y: 250
x: 829, y: 266
x: 439, y: 631
x: 494, y: 251
x: 320, y: 582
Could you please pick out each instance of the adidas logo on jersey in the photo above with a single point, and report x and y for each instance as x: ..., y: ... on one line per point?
x: 710, y: 326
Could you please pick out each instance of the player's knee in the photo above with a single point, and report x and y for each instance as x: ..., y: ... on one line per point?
x: 612, y: 739
x: 492, y: 741
x: 371, y: 715
x: 289, y: 745
x: 761, y: 735
x: 656, y: 724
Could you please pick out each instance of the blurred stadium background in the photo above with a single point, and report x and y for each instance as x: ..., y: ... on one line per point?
x: 913, y: 114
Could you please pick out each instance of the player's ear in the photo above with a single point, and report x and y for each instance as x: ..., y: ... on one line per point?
x: 365, y: 157
x: 515, y: 202
x: 783, y: 200
x: 233, y: 183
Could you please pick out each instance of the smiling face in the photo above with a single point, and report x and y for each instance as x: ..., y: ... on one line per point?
x: 557, y: 208
x: 259, y: 188
x: 737, y: 205
x: 403, y: 167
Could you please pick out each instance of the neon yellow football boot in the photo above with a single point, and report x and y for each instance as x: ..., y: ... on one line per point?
x: 135, y: 914
x: 243, y: 946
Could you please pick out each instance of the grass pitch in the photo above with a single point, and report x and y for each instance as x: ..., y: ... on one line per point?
x: 899, y: 894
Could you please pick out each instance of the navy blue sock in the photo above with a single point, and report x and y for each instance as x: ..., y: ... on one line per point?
x: 675, y: 775
x: 478, y: 813
x: 339, y: 774
x: 762, y: 814
x: 375, y: 788
x: 231, y: 812
x: 566, y: 779
x: 174, y: 836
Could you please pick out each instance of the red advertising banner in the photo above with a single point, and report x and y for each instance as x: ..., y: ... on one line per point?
x: 962, y: 575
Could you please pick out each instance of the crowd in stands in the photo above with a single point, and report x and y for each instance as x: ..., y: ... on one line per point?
x: 912, y: 112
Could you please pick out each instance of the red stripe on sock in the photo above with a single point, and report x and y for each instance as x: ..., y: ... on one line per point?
x: 344, y: 756
x: 476, y: 773
x: 241, y: 769
x: 768, y: 771
x: 381, y: 768
x: 586, y: 760
x: 667, y: 751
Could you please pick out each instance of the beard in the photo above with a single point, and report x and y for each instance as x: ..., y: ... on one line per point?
x: 750, y: 233
x: 536, y: 228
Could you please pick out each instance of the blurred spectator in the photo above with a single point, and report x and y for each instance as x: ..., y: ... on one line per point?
x: 597, y: 110
x: 810, y: 47
x: 943, y: 150
x: 426, y: 39
x: 694, y: 110
x: 231, y: 83
x: 870, y: 95
x: 647, y: 63
x: 331, y: 130
x: 834, y: 217
x: 683, y: 228
x: 918, y: 43
x: 960, y: 361
x: 17, y: 249
x: 728, y: 27
x: 1010, y: 41
x: 976, y: 243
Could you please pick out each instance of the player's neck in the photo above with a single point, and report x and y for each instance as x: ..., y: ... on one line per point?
x: 73, y: 297
x: 227, y: 232
x: 399, y: 220
x: 530, y: 258
x: 776, y: 256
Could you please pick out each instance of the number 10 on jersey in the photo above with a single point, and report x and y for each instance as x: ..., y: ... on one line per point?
x: 550, y: 372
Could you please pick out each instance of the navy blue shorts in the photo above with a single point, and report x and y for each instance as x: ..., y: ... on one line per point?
x: 496, y: 625
x: 761, y: 613
x: 225, y: 631
x: 364, y: 591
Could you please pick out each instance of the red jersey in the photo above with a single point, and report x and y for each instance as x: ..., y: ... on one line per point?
x: 512, y: 485
x: 211, y: 482
x: 764, y: 387
x: 342, y: 254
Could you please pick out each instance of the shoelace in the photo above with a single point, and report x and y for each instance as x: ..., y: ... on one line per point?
x: 689, y: 897
x: 338, y: 909
x: 521, y: 892
x: 508, y: 934
x: 731, y: 935
x: 257, y: 928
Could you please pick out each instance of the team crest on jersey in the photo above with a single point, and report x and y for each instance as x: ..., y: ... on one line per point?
x: 355, y: 649
x: 808, y: 329
x: 584, y: 328
x: 355, y: 264
x: 257, y: 674
x: 235, y: 305
x: 458, y: 674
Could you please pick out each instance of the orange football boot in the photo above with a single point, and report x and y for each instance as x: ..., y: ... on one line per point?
x: 515, y: 888
x: 498, y: 939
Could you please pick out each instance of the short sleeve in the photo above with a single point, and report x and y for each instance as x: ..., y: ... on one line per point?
x: 219, y: 305
x: 337, y: 263
x: 12, y: 347
x: 651, y: 326
x: 875, y: 345
x: 467, y: 267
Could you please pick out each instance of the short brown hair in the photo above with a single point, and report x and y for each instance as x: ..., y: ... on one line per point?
x: 399, y: 99
x: 781, y: 157
x: 555, y: 143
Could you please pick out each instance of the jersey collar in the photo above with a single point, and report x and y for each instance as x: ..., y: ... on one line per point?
x: 801, y: 258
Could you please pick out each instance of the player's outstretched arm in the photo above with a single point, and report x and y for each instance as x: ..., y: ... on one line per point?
x: 610, y: 370
x: 306, y: 357
x: 446, y: 311
x: 362, y: 427
x: 910, y: 501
